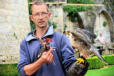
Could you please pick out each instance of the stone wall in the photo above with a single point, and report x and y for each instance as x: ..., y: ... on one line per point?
x: 93, y: 21
x: 14, y: 25
x: 110, y: 8
x: 57, y: 16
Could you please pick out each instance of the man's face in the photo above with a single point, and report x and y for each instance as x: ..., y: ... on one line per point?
x: 40, y: 15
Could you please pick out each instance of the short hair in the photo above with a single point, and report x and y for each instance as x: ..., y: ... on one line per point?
x: 38, y: 3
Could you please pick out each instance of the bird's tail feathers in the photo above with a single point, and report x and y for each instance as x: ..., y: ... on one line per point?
x: 95, y: 50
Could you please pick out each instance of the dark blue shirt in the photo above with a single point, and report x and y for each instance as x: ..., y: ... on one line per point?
x: 63, y: 55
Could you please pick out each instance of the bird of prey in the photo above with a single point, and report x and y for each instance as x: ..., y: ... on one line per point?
x: 82, y: 40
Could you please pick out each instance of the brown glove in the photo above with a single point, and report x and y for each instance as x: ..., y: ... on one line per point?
x: 78, y: 69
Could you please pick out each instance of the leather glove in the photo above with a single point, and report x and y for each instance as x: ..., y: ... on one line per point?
x: 78, y: 69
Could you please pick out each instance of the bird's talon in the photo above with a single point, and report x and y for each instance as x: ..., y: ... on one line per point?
x: 80, y: 60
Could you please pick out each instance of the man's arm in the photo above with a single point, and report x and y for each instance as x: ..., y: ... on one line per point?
x: 69, y: 61
x: 67, y: 52
x: 25, y: 67
x: 46, y: 57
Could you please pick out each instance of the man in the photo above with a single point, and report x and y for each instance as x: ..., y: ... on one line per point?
x: 54, y: 62
x: 102, y: 41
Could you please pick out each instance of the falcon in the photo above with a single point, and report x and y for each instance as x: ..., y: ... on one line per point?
x: 82, y: 40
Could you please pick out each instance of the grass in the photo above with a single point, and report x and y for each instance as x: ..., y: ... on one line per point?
x: 8, y: 69
x: 101, y: 72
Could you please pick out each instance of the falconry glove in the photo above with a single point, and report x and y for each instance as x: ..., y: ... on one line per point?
x: 79, y: 68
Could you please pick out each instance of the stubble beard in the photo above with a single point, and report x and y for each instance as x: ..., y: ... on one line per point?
x: 42, y: 26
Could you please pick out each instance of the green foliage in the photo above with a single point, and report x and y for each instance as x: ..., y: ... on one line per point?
x: 73, y: 11
x: 32, y: 25
x: 65, y: 26
x: 104, y: 23
x: 81, y: 1
x: 95, y: 63
x: 53, y: 24
x: 14, y: 34
x: 109, y: 59
x: 8, y: 70
x: 30, y: 12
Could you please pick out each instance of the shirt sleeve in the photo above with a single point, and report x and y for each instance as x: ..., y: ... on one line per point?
x: 68, y: 56
x: 23, y: 59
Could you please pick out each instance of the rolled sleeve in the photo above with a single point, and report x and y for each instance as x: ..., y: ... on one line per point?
x: 67, y: 52
x: 23, y: 59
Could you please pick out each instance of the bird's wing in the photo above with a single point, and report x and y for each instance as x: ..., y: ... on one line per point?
x: 80, y: 35
x: 84, y: 34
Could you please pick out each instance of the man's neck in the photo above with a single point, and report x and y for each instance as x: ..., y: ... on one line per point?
x: 40, y: 32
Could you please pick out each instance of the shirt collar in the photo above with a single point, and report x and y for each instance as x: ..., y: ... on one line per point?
x: 31, y: 35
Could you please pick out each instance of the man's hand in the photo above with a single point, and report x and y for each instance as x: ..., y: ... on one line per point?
x: 47, y: 56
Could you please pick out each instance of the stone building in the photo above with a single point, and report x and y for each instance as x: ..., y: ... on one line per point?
x: 14, y: 25
x: 98, y: 20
